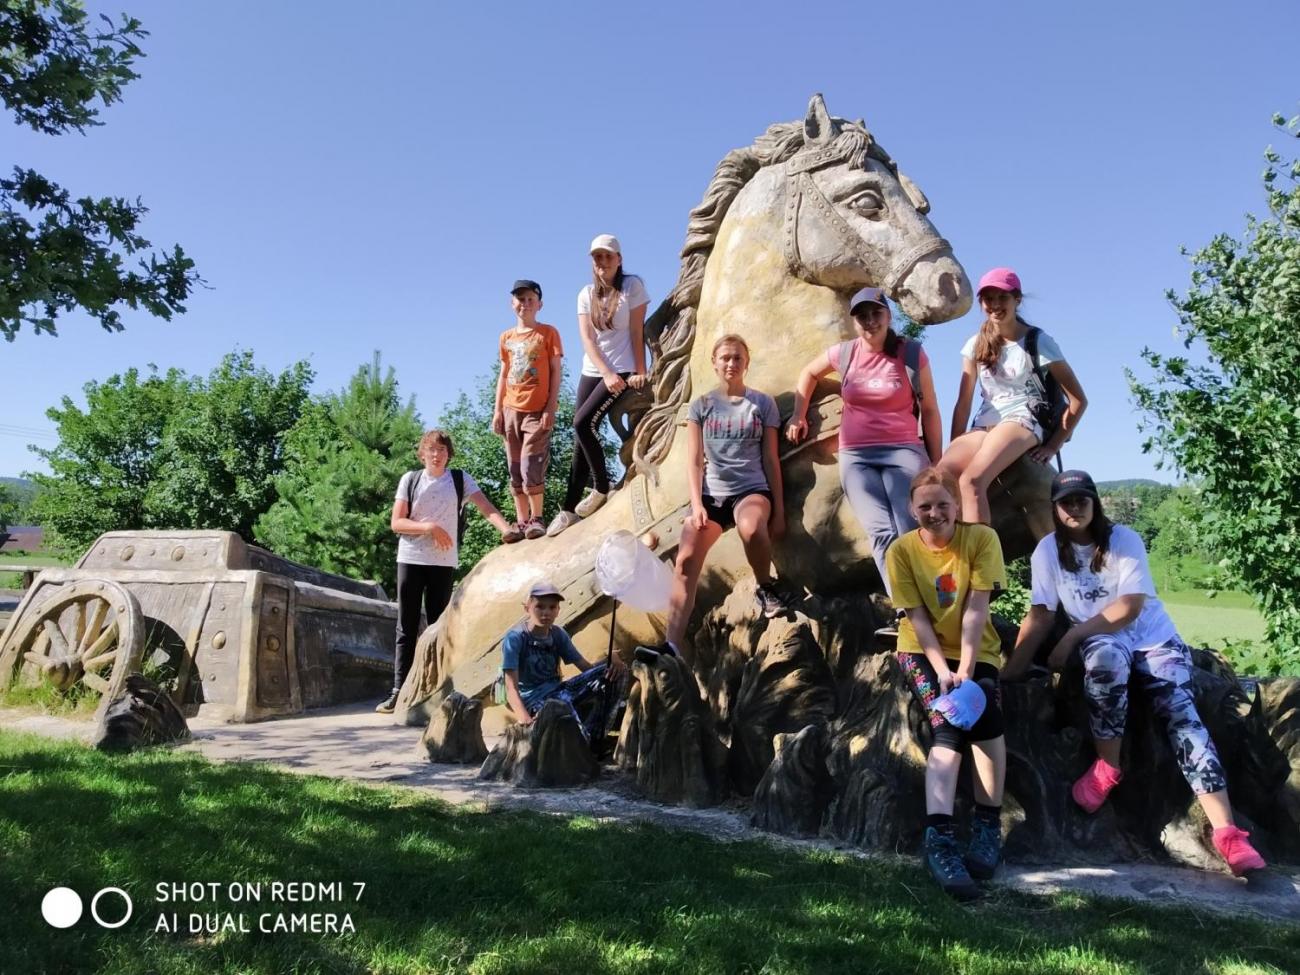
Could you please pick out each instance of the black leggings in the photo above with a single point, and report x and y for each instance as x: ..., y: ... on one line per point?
x: 592, y: 403
x: 925, y: 684
x: 430, y: 584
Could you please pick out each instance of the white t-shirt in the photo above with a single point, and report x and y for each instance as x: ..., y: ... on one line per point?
x: 1009, y: 390
x: 615, y: 343
x: 435, y: 500
x: 1085, y: 593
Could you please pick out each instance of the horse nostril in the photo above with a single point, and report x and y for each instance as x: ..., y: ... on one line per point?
x: 948, y: 286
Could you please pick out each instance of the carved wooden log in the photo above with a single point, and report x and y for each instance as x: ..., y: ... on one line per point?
x: 876, y: 759
x: 552, y: 752
x: 1019, y: 500
x: 142, y: 714
x: 796, y: 789
x: 785, y: 686
x: 1279, y: 702
x: 667, y: 737
x: 455, y: 732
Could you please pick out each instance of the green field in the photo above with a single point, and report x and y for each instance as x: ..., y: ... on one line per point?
x: 1208, y: 619
x: 12, y: 580
x: 467, y: 890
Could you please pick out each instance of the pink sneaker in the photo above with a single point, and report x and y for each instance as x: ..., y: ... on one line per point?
x: 1234, y: 846
x: 1095, y: 784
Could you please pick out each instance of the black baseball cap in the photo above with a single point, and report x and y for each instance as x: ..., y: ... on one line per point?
x: 523, y: 284
x: 1067, y: 483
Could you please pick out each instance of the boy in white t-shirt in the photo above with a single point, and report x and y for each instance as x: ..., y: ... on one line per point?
x: 1098, y: 573
x: 426, y: 518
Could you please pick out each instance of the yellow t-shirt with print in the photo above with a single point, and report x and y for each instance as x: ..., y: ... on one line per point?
x: 940, y: 580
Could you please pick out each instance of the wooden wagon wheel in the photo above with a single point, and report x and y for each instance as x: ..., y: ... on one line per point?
x: 90, y: 631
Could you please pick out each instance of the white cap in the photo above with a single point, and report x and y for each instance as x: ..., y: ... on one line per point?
x: 605, y: 242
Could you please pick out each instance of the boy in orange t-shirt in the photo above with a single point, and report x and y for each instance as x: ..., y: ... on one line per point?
x: 527, y: 390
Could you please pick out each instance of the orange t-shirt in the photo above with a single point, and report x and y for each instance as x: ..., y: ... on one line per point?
x: 526, y: 359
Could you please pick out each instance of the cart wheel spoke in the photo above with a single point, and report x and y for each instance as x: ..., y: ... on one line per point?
x: 95, y: 682
x: 100, y: 662
x: 96, y: 624
x: 58, y: 642
x: 106, y: 640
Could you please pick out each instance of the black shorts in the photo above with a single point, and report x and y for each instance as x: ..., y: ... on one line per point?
x: 722, y: 511
x: 925, y: 685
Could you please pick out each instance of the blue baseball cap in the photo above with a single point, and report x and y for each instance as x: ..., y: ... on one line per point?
x: 962, y: 706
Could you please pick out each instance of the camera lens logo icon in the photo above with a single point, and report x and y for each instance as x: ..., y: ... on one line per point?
x: 62, y: 908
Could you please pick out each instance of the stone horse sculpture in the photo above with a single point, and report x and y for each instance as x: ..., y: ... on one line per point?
x: 789, y: 227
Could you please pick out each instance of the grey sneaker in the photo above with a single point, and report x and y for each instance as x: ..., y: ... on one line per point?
x: 565, y: 519
x: 771, y: 601
x: 389, y: 705
x: 589, y: 505
x: 984, y: 851
x: 943, y: 857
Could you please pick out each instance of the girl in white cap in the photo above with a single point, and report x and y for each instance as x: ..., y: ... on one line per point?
x: 1013, y: 363
x: 886, y: 385
x: 611, y: 322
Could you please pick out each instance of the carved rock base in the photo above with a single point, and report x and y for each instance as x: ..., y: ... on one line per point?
x: 667, y: 739
x: 143, y: 714
x: 455, y: 733
x: 796, y: 789
x: 552, y: 752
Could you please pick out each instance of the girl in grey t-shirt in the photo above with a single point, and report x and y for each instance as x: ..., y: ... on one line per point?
x: 735, y: 481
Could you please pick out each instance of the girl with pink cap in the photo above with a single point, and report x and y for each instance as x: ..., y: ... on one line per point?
x: 1012, y: 362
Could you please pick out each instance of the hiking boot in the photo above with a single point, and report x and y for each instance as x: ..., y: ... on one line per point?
x: 984, y: 852
x: 890, y: 630
x: 1095, y: 784
x: 650, y: 655
x: 771, y: 601
x: 589, y: 505
x: 943, y: 857
x: 515, y: 534
x: 1234, y: 846
x: 565, y: 519
x: 389, y: 705
x: 534, y: 528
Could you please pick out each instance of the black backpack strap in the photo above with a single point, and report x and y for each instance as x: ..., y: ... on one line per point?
x: 413, y: 482
x: 844, y: 356
x: 912, y: 366
x: 458, y: 480
x: 1031, y: 349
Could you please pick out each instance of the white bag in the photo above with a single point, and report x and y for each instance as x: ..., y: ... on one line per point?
x: 632, y: 574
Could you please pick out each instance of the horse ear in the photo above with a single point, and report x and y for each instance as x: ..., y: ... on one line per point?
x: 914, y: 194
x: 817, y: 125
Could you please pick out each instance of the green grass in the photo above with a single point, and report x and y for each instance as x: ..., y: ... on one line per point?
x: 461, y: 890
x: 1205, y: 619
x: 13, y: 580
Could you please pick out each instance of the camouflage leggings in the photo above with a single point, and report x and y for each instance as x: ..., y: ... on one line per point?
x: 1165, y: 673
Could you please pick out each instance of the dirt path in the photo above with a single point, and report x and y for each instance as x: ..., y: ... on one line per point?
x: 353, y: 742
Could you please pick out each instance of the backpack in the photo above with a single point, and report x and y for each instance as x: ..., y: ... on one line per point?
x: 911, y: 365
x: 458, y: 481
x: 1051, y: 404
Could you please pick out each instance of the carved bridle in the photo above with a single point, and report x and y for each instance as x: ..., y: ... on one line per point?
x: 800, y: 185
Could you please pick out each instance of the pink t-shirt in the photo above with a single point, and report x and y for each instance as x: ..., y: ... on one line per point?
x: 877, y: 398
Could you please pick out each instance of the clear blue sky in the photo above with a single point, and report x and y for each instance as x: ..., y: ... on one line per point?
x: 352, y: 177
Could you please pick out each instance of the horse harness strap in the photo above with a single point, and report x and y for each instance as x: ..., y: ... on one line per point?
x: 799, y: 171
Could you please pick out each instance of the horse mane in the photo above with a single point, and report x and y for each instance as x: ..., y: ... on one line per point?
x: 670, y: 331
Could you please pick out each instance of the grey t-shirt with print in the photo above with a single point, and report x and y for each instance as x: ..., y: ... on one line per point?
x: 732, y: 429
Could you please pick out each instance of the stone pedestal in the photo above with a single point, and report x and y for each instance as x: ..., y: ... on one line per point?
x: 455, y: 732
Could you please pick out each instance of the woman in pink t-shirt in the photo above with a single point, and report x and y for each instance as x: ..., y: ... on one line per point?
x: 880, y: 448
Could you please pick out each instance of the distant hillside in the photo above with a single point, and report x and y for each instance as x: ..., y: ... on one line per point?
x: 1129, y: 483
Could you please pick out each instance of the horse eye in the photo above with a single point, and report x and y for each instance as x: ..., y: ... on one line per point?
x: 869, y: 203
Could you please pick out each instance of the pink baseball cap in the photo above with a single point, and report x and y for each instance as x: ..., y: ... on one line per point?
x: 1002, y: 278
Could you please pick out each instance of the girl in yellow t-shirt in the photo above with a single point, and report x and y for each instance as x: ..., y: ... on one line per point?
x: 942, y: 575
